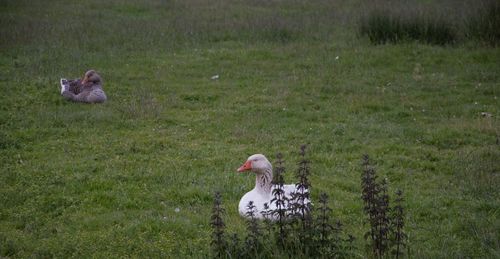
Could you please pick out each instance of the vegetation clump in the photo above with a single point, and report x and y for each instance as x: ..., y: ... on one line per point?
x: 432, y: 25
x: 386, y: 27
x: 217, y: 223
x: 280, y: 200
x: 484, y: 25
x: 299, y: 230
x: 386, y: 223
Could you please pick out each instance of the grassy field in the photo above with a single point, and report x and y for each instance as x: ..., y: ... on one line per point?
x: 136, y: 176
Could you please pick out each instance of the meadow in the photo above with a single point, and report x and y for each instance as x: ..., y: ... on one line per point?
x: 136, y: 176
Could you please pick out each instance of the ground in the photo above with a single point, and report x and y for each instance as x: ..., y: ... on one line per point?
x: 136, y: 176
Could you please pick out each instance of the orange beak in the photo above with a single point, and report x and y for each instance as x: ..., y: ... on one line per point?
x: 245, y: 167
x: 85, y: 80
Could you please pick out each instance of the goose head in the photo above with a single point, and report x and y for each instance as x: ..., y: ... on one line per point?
x: 91, y: 77
x: 263, y: 170
x: 257, y: 163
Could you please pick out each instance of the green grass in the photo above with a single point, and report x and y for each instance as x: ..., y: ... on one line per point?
x: 105, y: 180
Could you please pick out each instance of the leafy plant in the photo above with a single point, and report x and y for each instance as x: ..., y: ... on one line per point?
x: 370, y: 192
x: 386, y: 223
x: 327, y: 236
x: 280, y: 201
x: 217, y: 223
x: 253, y: 241
x: 398, y: 223
x: 300, y: 206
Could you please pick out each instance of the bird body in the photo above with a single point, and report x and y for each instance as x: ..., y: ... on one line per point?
x: 87, y: 90
x: 262, y: 194
x: 259, y: 199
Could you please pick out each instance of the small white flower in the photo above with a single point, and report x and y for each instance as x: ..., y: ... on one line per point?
x: 337, y: 58
x: 215, y: 77
x: 177, y: 210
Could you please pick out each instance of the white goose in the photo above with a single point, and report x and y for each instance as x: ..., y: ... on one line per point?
x: 262, y: 192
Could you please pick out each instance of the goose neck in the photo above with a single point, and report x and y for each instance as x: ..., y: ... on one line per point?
x: 263, y: 181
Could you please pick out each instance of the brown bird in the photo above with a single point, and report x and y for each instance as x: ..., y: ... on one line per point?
x: 86, y: 90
